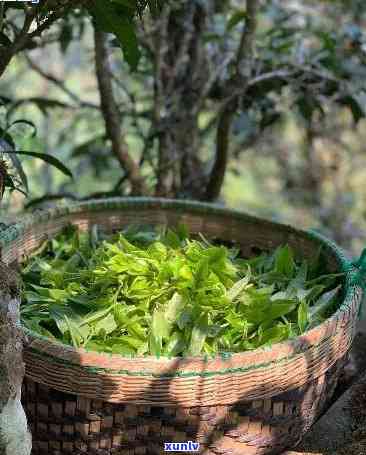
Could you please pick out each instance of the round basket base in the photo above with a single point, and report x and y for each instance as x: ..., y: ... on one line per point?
x: 67, y: 424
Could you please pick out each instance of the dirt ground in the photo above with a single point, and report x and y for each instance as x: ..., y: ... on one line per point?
x: 358, y: 447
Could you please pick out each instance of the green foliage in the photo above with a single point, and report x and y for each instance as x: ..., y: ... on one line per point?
x: 117, y: 17
x: 17, y: 180
x: 235, y: 19
x: 163, y: 292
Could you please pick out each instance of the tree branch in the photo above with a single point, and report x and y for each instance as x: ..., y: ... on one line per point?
x: 7, y: 53
x: 112, y: 116
x: 244, y: 54
x: 218, y: 171
x: 246, y: 45
x: 24, y: 36
x: 60, y: 84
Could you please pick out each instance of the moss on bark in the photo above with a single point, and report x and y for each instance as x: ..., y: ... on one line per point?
x: 14, y: 435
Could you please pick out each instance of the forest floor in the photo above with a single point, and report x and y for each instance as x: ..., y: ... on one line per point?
x: 358, y: 413
x: 341, y: 430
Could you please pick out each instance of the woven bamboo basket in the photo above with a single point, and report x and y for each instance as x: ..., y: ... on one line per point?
x: 258, y: 402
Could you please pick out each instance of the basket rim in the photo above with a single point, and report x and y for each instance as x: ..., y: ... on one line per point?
x: 295, y: 345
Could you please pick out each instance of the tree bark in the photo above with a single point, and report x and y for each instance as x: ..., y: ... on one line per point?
x: 111, y: 115
x: 243, y: 67
x: 218, y: 171
x: 15, y: 438
x: 180, y: 62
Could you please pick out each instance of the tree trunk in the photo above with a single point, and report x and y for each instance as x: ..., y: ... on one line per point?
x: 15, y: 438
x: 180, y: 172
x: 218, y: 171
x: 112, y: 117
x: 312, y: 178
x: 180, y: 61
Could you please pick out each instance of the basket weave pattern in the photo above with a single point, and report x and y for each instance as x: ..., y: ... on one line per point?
x: 65, y: 423
x: 251, y: 403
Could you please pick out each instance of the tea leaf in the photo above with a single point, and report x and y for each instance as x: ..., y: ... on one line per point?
x: 238, y: 287
x: 319, y: 310
x: 176, y: 344
x: 303, y: 316
x: 159, y: 292
x: 284, y: 261
x: 160, y: 327
x: 199, y: 334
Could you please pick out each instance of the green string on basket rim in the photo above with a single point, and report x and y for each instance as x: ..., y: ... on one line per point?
x: 360, y: 278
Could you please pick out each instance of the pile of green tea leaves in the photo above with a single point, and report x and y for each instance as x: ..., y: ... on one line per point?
x: 161, y: 292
